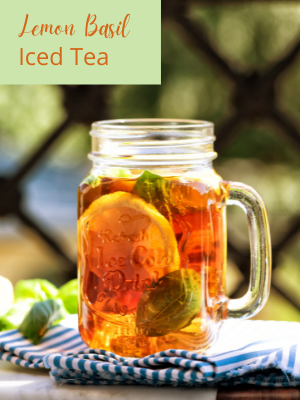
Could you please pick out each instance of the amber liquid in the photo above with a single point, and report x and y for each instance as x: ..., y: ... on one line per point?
x: 118, y: 261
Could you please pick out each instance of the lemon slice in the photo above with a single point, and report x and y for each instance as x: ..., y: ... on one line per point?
x: 6, y: 295
x: 121, y: 231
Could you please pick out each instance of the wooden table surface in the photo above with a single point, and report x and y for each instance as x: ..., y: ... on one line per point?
x: 250, y: 392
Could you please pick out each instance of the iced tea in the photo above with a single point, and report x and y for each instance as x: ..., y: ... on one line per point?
x: 151, y: 260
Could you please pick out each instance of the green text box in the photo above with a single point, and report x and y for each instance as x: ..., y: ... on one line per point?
x: 134, y: 59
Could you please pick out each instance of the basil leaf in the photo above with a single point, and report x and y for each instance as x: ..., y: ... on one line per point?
x: 15, y: 315
x: 93, y: 181
x: 40, y: 318
x: 118, y: 172
x: 39, y: 289
x: 153, y: 188
x: 172, y: 305
x: 68, y: 293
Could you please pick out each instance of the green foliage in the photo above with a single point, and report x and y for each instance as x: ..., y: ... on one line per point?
x: 251, y: 34
x: 258, y: 142
x: 118, y: 172
x: 172, y: 305
x: 68, y: 293
x: 38, y: 305
x: 92, y: 180
x: 31, y: 109
x: 152, y: 188
x: 38, y: 289
x: 41, y: 316
x: 13, y: 318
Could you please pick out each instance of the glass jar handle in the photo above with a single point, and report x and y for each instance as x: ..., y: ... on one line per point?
x: 260, y: 245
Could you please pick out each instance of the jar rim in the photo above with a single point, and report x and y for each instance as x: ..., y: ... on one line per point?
x: 156, y: 141
x: 141, y: 125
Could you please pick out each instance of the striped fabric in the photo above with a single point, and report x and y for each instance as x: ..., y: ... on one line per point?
x: 265, y: 353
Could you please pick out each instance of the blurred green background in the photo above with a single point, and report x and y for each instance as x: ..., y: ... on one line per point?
x: 251, y: 36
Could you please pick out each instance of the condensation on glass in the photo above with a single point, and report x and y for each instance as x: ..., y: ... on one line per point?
x: 152, y: 239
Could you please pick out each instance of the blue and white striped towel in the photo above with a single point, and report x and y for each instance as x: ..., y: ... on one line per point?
x: 265, y: 353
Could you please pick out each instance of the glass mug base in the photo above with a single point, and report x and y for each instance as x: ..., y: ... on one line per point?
x: 98, y: 333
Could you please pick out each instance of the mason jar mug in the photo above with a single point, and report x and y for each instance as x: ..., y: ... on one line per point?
x: 152, y: 239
